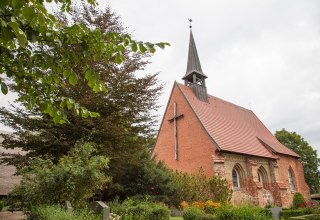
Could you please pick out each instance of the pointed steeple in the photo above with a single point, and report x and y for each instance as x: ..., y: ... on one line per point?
x: 194, y: 76
x: 193, y: 65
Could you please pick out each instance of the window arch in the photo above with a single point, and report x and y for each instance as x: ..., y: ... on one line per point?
x: 291, y: 179
x: 238, y: 177
x: 263, y: 177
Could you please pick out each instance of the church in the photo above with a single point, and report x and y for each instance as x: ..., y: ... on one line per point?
x: 201, y: 130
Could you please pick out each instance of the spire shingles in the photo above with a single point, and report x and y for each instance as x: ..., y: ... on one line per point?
x: 193, y: 65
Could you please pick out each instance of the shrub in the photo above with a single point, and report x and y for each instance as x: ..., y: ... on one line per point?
x: 197, y: 187
x: 1, y: 204
x: 142, y: 210
x: 242, y: 212
x: 193, y: 213
x: 55, y: 212
x: 287, y: 213
x: 75, y: 178
x: 298, y: 201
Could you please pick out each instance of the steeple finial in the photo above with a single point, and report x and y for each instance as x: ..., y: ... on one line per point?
x: 190, y: 20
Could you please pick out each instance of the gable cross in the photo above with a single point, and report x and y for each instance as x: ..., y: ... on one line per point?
x: 174, y: 120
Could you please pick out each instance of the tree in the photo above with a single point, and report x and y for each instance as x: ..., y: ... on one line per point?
x: 123, y: 130
x: 39, y: 54
x: 309, y: 157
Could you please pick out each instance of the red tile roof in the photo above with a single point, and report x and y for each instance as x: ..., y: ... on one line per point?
x: 234, y: 128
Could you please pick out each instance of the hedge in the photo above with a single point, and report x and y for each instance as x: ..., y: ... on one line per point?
x: 130, y: 210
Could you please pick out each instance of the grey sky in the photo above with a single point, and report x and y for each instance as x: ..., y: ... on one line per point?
x: 263, y: 55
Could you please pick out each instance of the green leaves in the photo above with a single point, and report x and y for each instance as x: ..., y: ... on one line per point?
x: 40, y: 69
x: 28, y: 13
x: 4, y: 88
x: 17, y: 3
x: 21, y: 36
x: 73, y: 78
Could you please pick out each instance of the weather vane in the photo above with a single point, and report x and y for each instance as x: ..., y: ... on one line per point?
x: 190, y: 20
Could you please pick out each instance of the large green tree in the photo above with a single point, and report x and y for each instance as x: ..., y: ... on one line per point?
x: 309, y: 157
x: 39, y: 54
x: 125, y: 124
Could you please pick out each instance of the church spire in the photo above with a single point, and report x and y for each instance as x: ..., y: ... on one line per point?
x: 194, y: 76
x: 193, y: 65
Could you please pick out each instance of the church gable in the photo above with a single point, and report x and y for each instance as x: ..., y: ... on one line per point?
x: 191, y: 147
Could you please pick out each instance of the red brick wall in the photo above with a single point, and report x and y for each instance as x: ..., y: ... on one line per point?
x: 300, y: 185
x: 195, y: 147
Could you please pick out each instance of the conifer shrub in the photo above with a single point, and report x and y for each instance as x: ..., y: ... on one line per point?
x: 298, y: 201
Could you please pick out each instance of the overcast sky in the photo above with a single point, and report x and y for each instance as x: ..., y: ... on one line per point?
x: 262, y: 55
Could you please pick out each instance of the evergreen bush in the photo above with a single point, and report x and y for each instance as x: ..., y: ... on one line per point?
x: 298, y: 201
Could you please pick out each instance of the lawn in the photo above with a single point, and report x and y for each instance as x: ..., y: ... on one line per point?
x: 176, y: 218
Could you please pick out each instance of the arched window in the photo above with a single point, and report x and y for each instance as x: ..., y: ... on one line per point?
x: 235, y: 179
x: 291, y: 179
x: 238, y: 177
x: 263, y: 177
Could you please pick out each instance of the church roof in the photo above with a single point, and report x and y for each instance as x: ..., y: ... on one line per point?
x: 234, y: 128
x: 193, y: 65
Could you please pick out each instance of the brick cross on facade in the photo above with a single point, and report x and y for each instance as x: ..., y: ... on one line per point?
x: 174, y: 120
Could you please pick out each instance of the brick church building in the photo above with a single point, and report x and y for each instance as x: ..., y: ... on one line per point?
x: 201, y: 130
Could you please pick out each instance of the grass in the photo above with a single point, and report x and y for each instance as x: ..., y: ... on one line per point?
x: 176, y: 218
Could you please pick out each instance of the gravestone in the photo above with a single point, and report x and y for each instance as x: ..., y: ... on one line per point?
x: 276, y: 212
x: 100, y: 207
x: 67, y: 206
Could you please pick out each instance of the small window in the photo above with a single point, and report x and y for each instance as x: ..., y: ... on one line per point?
x: 238, y: 177
x: 235, y: 179
x: 291, y: 182
x: 263, y: 177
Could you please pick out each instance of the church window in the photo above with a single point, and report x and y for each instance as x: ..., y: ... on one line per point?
x: 238, y: 177
x: 263, y: 177
x: 235, y: 178
x: 291, y: 181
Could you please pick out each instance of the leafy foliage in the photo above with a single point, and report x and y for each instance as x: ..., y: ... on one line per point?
x: 55, y: 212
x: 242, y: 212
x: 137, y: 209
x: 298, y: 201
x: 193, y: 213
x: 122, y: 132
x: 197, y: 187
x: 309, y: 157
x: 75, y: 178
x: 39, y: 54
x: 287, y: 213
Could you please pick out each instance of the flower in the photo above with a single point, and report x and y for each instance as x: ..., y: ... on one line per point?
x: 184, y: 204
